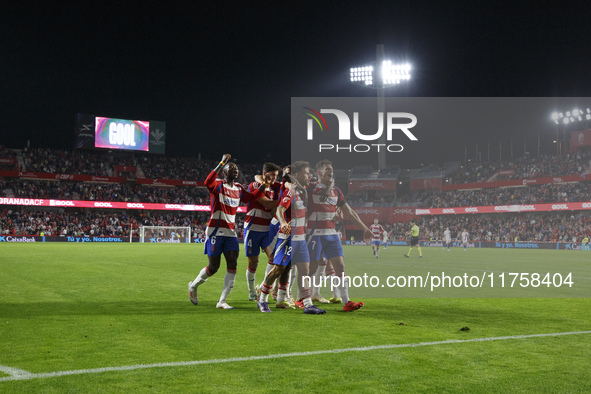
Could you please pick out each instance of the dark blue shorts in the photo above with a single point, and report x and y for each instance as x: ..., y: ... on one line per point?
x: 328, y: 246
x: 216, y: 245
x: 254, y: 241
x: 291, y: 252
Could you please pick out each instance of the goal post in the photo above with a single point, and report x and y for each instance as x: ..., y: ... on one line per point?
x: 165, y: 234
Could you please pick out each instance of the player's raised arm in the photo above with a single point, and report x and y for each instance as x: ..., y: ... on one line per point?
x: 210, y: 180
x: 225, y: 158
x: 267, y: 202
x: 259, y: 196
x: 350, y: 214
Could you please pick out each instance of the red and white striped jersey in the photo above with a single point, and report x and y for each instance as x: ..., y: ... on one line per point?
x: 258, y: 217
x: 295, y: 214
x: 376, y: 230
x: 225, y: 200
x: 322, y: 209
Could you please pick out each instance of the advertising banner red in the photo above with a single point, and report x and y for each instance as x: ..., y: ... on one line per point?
x: 94, y: 178
x: 8, y: 160
x: 389, y: 215
x: 65, y: 177
x: 426, y: 184
x: 357, y: 185
x: 570, y: 206
x: 517, y: 182
x: 125, y: 168
x: 40, y: 202
x: 168, y: 182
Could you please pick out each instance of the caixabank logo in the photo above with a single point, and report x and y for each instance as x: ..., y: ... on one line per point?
x: 347, y: 135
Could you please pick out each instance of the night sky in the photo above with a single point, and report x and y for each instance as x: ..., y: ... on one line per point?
x: 221, y: 75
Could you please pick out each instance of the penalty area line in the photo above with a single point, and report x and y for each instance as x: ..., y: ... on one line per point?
x: 19, y: 374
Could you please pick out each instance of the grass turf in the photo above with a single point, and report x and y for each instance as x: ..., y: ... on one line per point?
x: 68, y: 307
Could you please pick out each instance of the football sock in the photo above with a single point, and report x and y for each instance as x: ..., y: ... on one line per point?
x: 228, y: 284
x: 250, y: 280
x: 344, y: 292
x: 317, y: 280
x: 410, y: 250
x: 330, y: 272
x: 420, y: 252
x: 267, y: 270
x: 292, y: 275
x: 265, y: 290
x: 282, y: 293
x: 201, y: 278
x: 305, y: 297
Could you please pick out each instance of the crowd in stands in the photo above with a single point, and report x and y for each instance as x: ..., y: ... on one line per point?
x: 6, y: 152
x: 501, y: 227
x: 377, y: 199
x: 68, y: 162
x: 8, y: 160
x: 525, y: 167
x: 530, y: 227
x: 121, y: 192
x: 535, y: 194
x: 94, y: 223
x: 160, y: 167
x: 533, y: 227
x: 85, y: 162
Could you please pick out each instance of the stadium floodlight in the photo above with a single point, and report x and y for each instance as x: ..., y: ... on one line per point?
x: 380, y: 75
x: 362, y: 75
x: 564, y: 120
x: 385, y: 76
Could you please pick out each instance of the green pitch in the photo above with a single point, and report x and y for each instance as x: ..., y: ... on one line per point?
x: 68, y: 307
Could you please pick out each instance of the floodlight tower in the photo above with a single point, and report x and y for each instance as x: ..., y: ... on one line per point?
x: 563, y: 119
x: 380, y: 75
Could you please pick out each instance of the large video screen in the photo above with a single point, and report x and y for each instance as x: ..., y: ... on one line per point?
x: 99, y: 132
x: 121, y: 134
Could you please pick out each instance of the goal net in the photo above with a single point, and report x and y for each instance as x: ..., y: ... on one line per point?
x: 165, y: 234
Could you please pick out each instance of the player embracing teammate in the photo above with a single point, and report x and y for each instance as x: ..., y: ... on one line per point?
x: 301, y: 242
x: 324, y: 198
x: 291, y: 247
x: 256, y: 225
x: 226, y: 195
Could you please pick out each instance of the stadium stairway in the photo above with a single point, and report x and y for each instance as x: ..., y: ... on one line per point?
x: 19, y: 157
x: 139, y: 173
x: 493, y: 177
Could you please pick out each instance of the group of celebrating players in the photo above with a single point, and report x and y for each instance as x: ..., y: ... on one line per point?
x: 292, y: 220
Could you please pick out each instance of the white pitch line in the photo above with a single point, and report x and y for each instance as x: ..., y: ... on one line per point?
x: 24, y: 375
x: 14, y: 371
